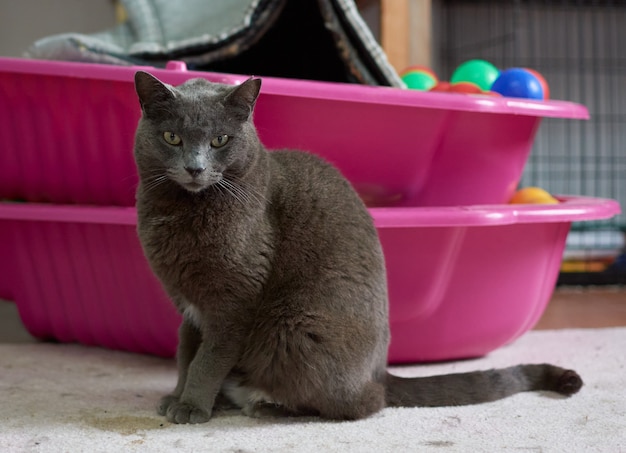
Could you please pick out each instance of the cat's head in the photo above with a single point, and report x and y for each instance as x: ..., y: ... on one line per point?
x: 195, y: 134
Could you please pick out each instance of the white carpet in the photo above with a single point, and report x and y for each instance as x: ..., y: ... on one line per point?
x: 68, y: 398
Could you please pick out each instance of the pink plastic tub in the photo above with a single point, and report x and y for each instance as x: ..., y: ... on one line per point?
x: 462, y: 280
x: 71, y: 128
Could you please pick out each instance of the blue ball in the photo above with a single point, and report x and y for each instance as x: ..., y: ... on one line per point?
x: 518, y: 83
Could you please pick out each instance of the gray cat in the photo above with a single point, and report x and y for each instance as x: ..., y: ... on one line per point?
x: 275, y: 264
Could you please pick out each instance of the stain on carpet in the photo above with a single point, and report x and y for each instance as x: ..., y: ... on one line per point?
x: 125, y: 425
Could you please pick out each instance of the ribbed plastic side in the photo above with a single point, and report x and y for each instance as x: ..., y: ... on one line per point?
x: 457, y: 290
x: 90, y: 283
x: 67, y: 140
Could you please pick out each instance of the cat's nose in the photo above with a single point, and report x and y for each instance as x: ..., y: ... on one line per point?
x: 195, y: 171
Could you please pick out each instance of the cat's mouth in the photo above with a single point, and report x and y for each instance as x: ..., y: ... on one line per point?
x: 195, y: 186
x: 198, y: 184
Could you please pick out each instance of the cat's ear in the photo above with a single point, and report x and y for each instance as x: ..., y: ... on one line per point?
x: 242, y: 98
x: 151, y: 91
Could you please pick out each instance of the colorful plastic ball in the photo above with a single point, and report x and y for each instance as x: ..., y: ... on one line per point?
x: 518, y: 83
x: 479, y: 72
x: 419, y: 68
x: 542, y: 81
x: 465, y: 87
x: 441, y: 86
x: 419, y: 78
x: 533, y: 195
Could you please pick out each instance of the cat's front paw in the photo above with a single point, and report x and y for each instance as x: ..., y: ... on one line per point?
x: 165, y: 403
x: 183, y: 413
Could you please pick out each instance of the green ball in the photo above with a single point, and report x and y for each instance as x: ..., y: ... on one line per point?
x: 419, y: 80
x: 480, y: 72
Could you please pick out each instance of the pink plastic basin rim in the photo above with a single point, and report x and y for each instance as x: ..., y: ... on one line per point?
x: 175, y: 73
x: 570, y: 209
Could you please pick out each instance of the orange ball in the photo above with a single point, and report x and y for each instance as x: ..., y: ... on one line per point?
x: 532, y: 195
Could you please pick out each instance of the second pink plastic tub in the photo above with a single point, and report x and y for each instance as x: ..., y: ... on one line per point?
x: 463, y: 281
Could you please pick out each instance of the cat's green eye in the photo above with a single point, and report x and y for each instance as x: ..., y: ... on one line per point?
x: 219, y: 141
x: 172, y: 138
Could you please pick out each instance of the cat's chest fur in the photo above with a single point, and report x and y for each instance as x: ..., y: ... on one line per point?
x: 205, y: 249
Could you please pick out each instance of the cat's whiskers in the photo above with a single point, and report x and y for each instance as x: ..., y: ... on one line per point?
x: 236, y: 192
x: 220, y: 189
x: 152, y: 182
x: 251, y: 188
x: 248, y: 191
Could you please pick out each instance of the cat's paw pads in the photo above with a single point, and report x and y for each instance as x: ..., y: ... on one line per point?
x: 183, y: 413
x: 165, y: 404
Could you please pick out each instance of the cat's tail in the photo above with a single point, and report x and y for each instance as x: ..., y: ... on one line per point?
x: 479, y: 386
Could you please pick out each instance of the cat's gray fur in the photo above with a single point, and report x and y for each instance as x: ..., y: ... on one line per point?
x: 275, y: 264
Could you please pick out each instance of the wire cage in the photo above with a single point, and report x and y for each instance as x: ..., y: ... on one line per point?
x: 578, y: 46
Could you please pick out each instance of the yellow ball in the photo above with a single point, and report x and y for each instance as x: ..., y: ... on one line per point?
x: 532, y: 195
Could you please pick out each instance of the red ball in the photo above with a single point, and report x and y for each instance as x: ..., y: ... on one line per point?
x: 465, y: 87
x: 441, y: 86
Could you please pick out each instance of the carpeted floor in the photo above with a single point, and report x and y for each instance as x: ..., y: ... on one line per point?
x: 69, y: 398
